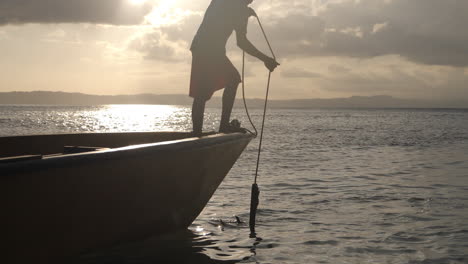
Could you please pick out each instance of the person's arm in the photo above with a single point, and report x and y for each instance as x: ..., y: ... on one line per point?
x: 247, y: 46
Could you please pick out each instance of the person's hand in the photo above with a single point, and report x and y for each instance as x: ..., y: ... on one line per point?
x: 271, y: 64
x: 252, y: 12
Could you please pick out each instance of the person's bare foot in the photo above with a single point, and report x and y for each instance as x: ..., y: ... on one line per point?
x: 197, y: 133
x: 232, y: 127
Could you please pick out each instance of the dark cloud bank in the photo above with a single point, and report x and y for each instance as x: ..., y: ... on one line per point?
x: 115, y: 12
x: 431, y: 32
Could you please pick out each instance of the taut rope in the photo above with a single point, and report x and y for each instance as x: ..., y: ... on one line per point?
x: 255, y: 190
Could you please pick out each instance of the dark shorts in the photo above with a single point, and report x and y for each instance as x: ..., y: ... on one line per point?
x: 211, y: 72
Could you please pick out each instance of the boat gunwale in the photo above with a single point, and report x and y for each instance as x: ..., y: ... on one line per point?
x: 107, y: 133
x: 10, y: 169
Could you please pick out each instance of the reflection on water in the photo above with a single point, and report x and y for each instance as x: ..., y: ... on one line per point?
x: 138, y: 117
x: 195, y: 245
x: 133, y: 118
x: 27, y: 120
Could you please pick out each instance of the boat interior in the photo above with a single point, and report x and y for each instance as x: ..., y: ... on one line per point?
x: 21, y: 148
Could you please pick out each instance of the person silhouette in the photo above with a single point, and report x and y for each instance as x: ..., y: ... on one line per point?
x: 211, y: 68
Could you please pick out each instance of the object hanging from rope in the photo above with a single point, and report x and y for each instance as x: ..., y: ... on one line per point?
x: 253, y: 207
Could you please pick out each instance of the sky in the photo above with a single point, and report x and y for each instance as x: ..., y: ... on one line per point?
x: 327, y: 48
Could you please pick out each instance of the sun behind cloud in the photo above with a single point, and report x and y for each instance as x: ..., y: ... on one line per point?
x: 137, y: 2
x: 167, y: 12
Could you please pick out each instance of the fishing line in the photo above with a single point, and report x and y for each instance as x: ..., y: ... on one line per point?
x: 255, y: 192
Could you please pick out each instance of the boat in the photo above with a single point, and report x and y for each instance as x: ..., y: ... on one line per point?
x: 65, y: 194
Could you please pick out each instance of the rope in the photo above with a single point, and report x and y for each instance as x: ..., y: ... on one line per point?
x: 268, y: 42
x: 254, y: 200
x: 243, y: 96
x: 266, y: 99
x: 263, y: 126
x: 266, y: 102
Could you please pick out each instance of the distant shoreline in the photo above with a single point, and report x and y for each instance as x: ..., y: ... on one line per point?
x: 239, y: 106
x: 354, y: 102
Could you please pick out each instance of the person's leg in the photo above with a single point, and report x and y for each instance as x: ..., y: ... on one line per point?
x: 229, y: 96
x: 198, y: 110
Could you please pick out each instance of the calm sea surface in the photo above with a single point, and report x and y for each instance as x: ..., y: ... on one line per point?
x: 337, y: 186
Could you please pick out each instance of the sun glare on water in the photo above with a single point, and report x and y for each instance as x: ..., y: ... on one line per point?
x: 142, y: 118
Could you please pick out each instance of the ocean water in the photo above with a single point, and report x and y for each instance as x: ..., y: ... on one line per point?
x: 337, y: 186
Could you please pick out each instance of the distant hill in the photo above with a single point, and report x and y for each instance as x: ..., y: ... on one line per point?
x: 63, y: 98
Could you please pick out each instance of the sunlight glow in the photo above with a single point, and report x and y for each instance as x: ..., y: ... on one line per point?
x: 143, y: 118
x: 137, y: 2
x: 167, y: 12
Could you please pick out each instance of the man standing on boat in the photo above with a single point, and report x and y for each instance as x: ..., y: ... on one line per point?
x: 211, y: 68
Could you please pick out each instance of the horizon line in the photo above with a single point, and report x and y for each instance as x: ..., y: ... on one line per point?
x: 253, y: 98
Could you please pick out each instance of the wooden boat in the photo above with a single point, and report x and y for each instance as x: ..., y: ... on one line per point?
x: 57, y: 202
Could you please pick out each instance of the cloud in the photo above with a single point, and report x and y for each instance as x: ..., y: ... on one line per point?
x: 169, y: 43
x: 431, y: 32
x: 156, y: 46
x: 299, y: 73
x: 115, y: 12
x: 3, y: 35
x: 395, y: 39
x: 184, y: 30
x: 424, y: 31
x: 449, y: 84
x: 378, y: 27
x: 337, y: 69
x: 294, y: 35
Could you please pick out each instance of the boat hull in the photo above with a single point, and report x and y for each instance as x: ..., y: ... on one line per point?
x: 61, y: 206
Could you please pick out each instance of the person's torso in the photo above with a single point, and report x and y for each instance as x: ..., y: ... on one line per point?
x: 221, y: 18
